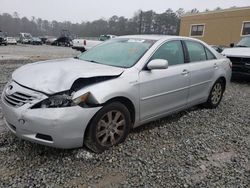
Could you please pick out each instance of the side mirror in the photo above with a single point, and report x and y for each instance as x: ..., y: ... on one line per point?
x: 157, y: 64
x: 232, y: 45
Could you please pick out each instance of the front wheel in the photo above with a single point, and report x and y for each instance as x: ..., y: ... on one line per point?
x: 216, y: 94
x: 109, y: 127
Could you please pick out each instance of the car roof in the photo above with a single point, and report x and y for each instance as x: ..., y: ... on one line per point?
x: 155, y: 37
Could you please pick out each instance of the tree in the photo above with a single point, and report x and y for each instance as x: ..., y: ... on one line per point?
x: 147, y: 22
x: 180, y: 12
x: 194, y: 11
x: 15, y: 15
x: 218, y: 8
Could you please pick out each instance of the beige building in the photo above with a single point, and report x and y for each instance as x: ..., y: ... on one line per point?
x: 220, y: 27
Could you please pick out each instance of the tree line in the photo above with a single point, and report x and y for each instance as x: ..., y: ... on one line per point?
x: 143, y: 22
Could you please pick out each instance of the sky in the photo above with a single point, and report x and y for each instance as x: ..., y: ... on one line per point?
x: 89, y: 10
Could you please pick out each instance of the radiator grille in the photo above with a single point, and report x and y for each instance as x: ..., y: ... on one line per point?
x: 18, y: 99
x: 240, y: 64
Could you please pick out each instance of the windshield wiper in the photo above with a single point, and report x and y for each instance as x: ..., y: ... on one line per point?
x: 241, y: 46
x: 93, y: 61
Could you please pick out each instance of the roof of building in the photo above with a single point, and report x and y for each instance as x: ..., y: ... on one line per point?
x: 217, y: 11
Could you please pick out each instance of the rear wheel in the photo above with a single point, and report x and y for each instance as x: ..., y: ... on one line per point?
x: 216, y: 94
x: 109, y: 127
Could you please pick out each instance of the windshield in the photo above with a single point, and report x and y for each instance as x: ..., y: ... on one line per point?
x: 27, y: 35
x: 118, y: 52
x: 244, y: 42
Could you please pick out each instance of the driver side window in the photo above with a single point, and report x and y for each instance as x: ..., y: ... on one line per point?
x: 170, y: 51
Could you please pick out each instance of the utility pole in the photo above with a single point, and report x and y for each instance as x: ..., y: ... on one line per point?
x: 140, y: 25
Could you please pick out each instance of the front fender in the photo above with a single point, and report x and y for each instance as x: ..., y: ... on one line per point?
x: 124, y: 86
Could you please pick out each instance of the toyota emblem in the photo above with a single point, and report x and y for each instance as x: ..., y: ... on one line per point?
x: 8, y: 89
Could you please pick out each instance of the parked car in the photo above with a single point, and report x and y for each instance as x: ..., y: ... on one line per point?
x: 83, y: 44
x: 50, y: 40
x: 218, y: 48
x: 36, y: 41
x: 25, y: 38
x: 240, y: 57
x: 106, y: 37
x: 11, y: 40
x: 3, y: 40
x: 64, y: 40
x: 97, y: 97
x: 43, y: 39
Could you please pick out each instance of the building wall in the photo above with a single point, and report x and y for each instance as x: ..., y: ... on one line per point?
x: 221, y: 27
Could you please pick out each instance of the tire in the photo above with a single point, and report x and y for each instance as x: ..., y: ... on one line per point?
x: 109, y: 127
x: 216, y: 94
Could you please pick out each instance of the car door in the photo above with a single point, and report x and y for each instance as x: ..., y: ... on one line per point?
x: 202, y: 67
x: 165, y: 90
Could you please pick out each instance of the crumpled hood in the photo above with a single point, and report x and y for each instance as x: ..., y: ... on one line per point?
x: 54, y: 76
x: 236, y: 52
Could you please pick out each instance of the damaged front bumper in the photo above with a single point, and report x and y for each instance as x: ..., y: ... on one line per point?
x: 56, y: 127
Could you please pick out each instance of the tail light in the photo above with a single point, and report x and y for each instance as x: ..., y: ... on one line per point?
x: 84, y: 42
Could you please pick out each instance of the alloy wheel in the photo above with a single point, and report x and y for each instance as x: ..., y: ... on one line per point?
x: 216, y: 93
x: 110, y: 128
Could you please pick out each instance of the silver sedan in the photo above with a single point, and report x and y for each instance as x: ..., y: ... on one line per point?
x: 95, y: 98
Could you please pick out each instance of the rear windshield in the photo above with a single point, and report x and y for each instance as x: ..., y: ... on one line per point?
x: 244, y: 42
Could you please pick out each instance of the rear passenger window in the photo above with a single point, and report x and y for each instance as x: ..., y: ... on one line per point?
x: 171, y: 51
x: 210, y: 56
x: 196, y: 51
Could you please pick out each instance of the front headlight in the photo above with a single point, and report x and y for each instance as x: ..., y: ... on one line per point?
x: 63, y: 100
x: 57, y: 101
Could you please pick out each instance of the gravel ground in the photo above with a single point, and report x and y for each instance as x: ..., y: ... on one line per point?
x: 195, y: 148
x: 34, y: 52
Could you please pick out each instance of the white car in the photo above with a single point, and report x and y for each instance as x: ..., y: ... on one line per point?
x: 83, y: 44
x: 240, y: 57
x: 11, y: 40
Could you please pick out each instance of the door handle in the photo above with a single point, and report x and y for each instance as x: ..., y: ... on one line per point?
x: 215, y: 66
x: 184, y: 72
